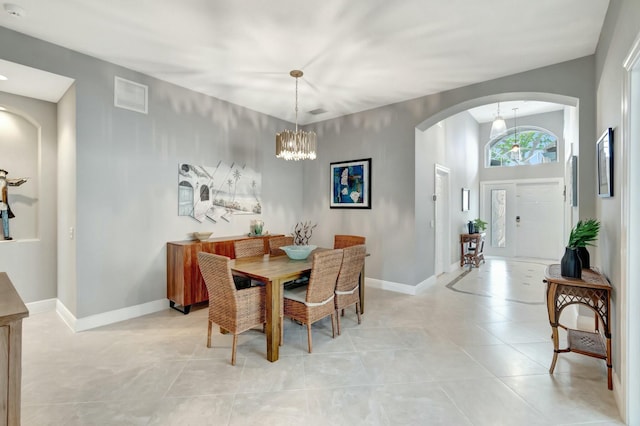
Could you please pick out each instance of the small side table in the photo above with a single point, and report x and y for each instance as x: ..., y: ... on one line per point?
x: 594, y: 291
x: 472, y: 249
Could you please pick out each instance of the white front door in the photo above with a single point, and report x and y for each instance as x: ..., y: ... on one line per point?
x: 526, y: 218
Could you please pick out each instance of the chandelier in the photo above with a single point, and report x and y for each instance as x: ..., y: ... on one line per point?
x: 296, y: 145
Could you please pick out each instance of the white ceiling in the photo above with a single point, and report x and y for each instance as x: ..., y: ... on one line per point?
x: 356, y: 54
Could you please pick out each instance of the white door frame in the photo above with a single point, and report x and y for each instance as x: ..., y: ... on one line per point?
x: 628, y: 378
x: 442, y: 224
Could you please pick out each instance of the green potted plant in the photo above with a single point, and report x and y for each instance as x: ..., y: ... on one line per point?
x: 479, y: 225
x: 576, y: 255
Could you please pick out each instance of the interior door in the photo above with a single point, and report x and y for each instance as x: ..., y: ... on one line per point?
x: 442, y: 220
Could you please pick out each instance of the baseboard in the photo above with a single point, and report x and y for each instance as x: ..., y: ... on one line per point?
x: 618, y: 396
x: 41, y: 306
x: 454, y: 267
x: 106, y: 318
x: 399, y: 287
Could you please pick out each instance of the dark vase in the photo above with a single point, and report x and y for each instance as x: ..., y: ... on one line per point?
x: 472, y: 228
x: 571, y: 265
x: 584, y: 257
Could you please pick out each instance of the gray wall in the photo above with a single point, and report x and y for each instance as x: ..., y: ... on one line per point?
x: 388, y: 134
x: 126, y: 175
x: 621, y: 28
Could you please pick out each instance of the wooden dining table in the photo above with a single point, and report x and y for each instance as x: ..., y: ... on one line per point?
x: 274, y: 271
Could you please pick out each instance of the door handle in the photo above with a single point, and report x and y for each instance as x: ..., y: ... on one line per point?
x: 517, y: 219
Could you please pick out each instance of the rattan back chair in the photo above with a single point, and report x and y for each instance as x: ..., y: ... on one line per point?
x: 233, y: 310
x: 348, y: 284
x: 342, y: 241
x: 248, y: 247
x: 276, y: 242
x: 315, y: 301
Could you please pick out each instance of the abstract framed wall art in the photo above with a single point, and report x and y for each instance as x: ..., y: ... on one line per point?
x: 351, y: 184
x: 604, y: 155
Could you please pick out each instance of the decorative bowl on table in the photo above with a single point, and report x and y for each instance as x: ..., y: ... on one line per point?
x: 298, y: 252
x: 202, y: 235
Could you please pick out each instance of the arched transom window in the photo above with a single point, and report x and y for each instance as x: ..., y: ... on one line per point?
x: 528, y: 146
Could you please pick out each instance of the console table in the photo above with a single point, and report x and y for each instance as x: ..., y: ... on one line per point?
x: 594, y: 291
x: 12, y: 311
x: 185, y: 285
x: 472, y: 249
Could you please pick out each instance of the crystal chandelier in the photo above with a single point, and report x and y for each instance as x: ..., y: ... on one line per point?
x: 515, y: 148
x: 296, y: 145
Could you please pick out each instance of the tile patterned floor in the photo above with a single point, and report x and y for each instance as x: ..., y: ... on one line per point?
x: 474, y: 352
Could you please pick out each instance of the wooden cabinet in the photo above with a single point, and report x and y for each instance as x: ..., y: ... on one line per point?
x: 12, y: 311
x: 185, y: 285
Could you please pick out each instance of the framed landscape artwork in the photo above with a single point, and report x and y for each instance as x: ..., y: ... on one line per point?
x: 351, y: 184
x: 604, y: 156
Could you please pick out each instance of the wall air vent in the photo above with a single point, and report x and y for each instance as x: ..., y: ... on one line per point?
x: 130, y: 95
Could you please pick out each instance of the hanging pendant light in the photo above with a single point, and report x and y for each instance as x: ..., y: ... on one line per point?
x: 515, y: 148
x: 296, y: 145
x: 499, y: 126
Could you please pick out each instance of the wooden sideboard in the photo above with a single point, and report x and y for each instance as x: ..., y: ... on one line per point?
x: 12, y: 311
x: 185, y: 285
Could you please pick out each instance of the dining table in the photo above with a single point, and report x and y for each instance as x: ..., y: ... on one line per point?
x: 274, y: 271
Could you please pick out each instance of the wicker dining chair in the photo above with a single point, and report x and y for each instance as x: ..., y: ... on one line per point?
x: 248, y: 247
x: 348, y: 284
x: 276, y: 242
x: 315, y: 301
x: 342, y: 241
x: 233, y: 310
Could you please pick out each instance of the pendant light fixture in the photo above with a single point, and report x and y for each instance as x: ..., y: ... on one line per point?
x: 296, y: 145
x: 499, y: 126
x: 515, y: 148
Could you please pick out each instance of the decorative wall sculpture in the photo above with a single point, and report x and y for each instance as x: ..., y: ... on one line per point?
x: 218, y: 192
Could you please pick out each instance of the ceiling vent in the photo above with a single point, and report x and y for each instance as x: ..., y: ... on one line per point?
x: 130, y: 95
x: 14, y: 10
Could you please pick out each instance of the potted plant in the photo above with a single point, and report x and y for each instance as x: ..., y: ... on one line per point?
x: 576, y: 255
x: 479, y: 225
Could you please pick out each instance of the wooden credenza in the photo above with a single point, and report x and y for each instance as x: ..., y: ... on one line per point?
x: 12, y: 311
x: 185, y: 285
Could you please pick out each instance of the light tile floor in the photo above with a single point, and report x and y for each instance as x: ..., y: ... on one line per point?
x: 472, y: 352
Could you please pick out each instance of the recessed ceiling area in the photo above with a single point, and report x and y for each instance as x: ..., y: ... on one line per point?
x: 356, y: 55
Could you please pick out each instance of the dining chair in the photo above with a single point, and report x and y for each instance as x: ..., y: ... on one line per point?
x: 315, y: 301
x: 248, y: 247
x: 348, y: 283
x: 276, y: 242
x: 342, y: 241
x: 233, y: 310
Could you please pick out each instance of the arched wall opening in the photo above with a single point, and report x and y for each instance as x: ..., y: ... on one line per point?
x: 466, y: 158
